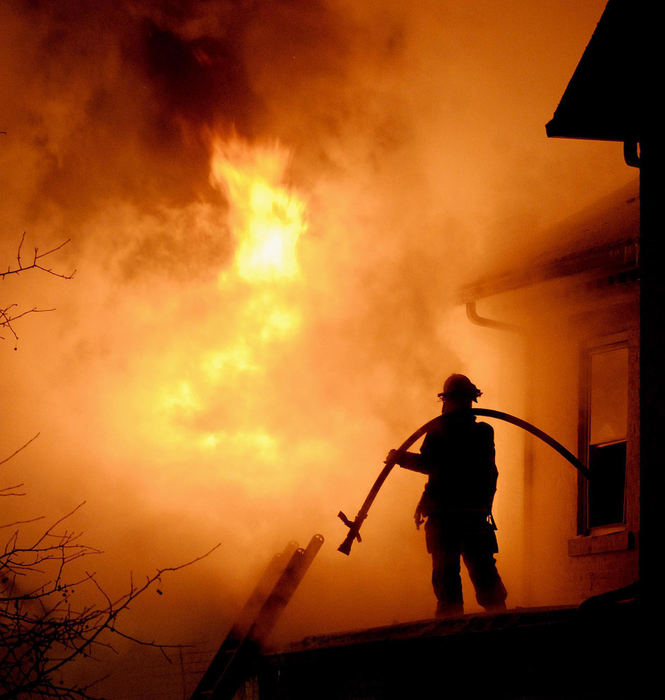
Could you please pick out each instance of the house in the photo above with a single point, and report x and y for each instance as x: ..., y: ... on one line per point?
x: 575, y: 309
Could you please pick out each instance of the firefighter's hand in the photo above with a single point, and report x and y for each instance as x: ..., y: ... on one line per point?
x: 393, y: 457
x: 418, y: 518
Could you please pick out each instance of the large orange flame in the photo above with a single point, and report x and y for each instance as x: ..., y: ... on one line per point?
x: 231, y: 362
x: 267, y: 219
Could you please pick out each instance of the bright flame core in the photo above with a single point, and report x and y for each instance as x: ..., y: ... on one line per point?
x: 267, y: 220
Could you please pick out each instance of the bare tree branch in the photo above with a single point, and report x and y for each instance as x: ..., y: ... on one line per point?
x: 8, y: 314
x: 20, y: 449
x: 50, y: 618
x: 36, y: 263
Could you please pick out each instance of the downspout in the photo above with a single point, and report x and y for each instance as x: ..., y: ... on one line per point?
x: 472, y: 315
x: 527, y: 545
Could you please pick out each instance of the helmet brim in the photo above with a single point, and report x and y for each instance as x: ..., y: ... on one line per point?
x: 460, y: 395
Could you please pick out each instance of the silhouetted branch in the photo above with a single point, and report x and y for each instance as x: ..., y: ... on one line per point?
x: 36, y: 264
x: 8, y: 314
x: 49, y: 617
x: 20, y: 449
x: 11, y: 490
x: 6, y: 318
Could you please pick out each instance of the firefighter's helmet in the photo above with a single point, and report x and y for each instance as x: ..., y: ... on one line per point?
x: 460, y: 386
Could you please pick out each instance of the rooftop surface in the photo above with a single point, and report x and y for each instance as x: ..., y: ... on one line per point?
x: 558, y: 652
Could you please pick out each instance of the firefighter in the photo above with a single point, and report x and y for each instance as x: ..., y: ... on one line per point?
x: 456, y: 505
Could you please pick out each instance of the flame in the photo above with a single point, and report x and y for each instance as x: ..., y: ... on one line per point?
x: 210, y: 399
x: 266, y: 218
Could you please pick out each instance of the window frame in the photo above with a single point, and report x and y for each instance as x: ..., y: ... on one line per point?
x: 593, y: 346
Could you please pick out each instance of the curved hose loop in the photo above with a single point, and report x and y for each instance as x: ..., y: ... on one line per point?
x: 530, y: 428
x: 354, y: 525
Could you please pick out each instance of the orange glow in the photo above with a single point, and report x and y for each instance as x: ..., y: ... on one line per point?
x: 256, y: 319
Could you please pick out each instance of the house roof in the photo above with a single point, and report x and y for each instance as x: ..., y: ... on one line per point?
x: 520, y: 653
x: 603, y: 99
x: 603, y: 237
x: 426, y: 629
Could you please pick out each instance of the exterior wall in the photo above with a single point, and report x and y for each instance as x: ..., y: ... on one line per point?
x: 559, y: 320
x: 531, y: 327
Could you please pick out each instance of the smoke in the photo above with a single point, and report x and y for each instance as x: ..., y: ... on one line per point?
x: 190, y: 406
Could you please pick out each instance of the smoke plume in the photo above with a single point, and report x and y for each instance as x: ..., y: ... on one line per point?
x: 191, y: 402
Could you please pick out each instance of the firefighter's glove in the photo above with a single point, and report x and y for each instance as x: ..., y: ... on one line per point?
x: 393, y: 457
x: 418, y: 517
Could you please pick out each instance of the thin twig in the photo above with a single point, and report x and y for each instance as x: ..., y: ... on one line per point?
x: 35, y: 264
x: 20, y: 449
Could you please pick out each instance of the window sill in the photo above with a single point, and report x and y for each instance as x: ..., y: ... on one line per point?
x: 601, y: 543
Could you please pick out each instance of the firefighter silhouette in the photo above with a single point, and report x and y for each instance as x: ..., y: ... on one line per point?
x: 456, y: 505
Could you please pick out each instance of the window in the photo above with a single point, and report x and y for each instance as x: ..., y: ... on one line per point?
x: 605, y: 437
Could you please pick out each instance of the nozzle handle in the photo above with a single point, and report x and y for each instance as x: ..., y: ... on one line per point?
x: 354, y: 527
x: 354, y: 534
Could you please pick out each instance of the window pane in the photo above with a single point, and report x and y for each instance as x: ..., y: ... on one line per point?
x: 607, y: 467
x: 609, y: 396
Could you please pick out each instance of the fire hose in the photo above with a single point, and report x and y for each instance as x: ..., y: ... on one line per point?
x: 354, y: 525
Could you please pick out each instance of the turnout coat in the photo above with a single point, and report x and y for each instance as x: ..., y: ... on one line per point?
x: 459, y: 456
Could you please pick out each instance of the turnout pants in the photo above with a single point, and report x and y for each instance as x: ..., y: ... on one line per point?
x: 452, y: 537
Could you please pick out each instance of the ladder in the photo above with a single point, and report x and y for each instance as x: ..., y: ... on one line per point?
x: 239, y: 651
